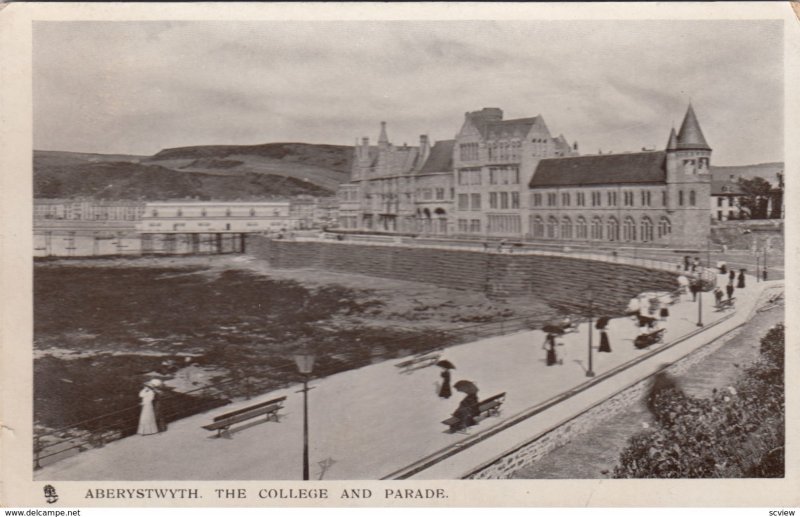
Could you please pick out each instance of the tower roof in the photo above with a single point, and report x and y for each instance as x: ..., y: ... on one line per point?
x: 383, y: 138
x: 672, y: 145
x: 691, y: 136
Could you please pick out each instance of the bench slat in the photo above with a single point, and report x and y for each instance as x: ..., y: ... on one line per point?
x: 249, y: 408
x: 219, y: 424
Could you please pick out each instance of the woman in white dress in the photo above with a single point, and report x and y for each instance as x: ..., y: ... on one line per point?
x: 147, y: 419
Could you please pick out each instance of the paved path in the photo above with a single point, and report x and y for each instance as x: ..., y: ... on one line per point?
x: 372, y: 421
x: 595, y: 454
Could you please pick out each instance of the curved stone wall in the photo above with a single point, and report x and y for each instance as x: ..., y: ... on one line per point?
x: 560, y: 281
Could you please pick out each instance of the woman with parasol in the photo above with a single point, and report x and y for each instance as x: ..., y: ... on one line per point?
x: 468, y: 407
x: 147, y: 418
x: 550, y: 347
x: 446, y: 366
x: 601, y: 325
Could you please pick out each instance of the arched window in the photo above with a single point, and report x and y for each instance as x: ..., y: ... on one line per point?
x: 581, y: 229
x: 692, y: 198
x: 552, y: 227
x: 537, y: 226
x: 680, y: 198
x: 597, y: 228
x: 612, y: 229
x: 566, y: 228
x: 647, y: 229
x: 664, y: 227
x: 629, y: 229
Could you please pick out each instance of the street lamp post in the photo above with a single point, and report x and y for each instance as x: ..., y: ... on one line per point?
x: 590, y: 370
x: 305, y: 364
x: 700, y: 301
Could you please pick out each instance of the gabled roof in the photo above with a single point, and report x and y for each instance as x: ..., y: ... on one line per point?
x: 519, y: 126
x: 725, y: 187
x: 440, y: 158
x: 602, y: 169
x: 691, y: 136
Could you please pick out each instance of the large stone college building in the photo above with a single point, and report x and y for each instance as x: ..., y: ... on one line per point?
x: 512, y: 179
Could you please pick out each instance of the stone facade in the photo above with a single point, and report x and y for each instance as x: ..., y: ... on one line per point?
x: 499, y: 275
x: 512, y: 179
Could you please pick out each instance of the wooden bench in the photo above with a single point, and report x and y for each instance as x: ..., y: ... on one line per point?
x: 419, y: 361
x: 724, y: 304
x: 651, y: 338
x: 269, y: 408
x: 486, y: 408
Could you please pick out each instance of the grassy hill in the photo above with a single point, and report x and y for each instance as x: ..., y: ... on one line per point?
x: 768, y: 171
x: 222, y: 172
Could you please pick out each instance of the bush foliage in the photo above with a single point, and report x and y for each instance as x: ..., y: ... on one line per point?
x: 737, y: 432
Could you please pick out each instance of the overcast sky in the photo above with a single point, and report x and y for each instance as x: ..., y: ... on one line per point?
x: 138, y: 87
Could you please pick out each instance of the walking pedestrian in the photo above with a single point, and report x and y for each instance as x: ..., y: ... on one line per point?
x: 445, y: 392
x: 694, y: 287
x: 729, y: 289
x: 550, y: 347
x: 740, y: 285
x: 147, y: 417
x: 732, y: 274
x: 602, y: 324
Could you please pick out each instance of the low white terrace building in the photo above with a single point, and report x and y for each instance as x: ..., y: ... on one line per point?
x: 215, y: 217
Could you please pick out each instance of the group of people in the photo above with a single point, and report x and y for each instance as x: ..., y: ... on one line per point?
x: 151, y: 418
x: 467, y: 410
x: 565, y: 327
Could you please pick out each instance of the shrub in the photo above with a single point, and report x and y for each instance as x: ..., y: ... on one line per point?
x: 737, y: 432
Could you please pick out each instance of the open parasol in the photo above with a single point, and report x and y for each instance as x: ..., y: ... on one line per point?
x: 444, y: 363
x: 602, y: 322
x: 553, y: 329
x: 467, y: 387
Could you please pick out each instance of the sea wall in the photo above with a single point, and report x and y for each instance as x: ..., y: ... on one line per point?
x: 560, y: 281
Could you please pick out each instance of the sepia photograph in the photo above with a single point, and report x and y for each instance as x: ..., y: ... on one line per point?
x: 416, y: 249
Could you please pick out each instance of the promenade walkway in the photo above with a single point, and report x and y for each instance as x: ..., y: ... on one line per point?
x: 374, y: 422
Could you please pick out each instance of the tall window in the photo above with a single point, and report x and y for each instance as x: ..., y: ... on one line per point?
x: 515, y: 200
x: 463, y: 202
x: 566, y: 228
x: 537, y: 227
x: 551, y: 199
x: 692, y: 198
x: 476, y: 201
x: 439, y: 193
x: 647, y: 229
x: 597, y: 228
x: 612, y: 229
x: 664, y: 227
x: 580, y: 199
x: 493, y: 200
x: 629, y: 228
x: 503, y: 200
x: 680, y: 198
x: 645, y: 198
x: 596, y: 199
x: 469, y: 152
x: 565, y: 199
x: 475, y: 226
x: 581, y: 230
x: 663, y: 198
x: 552, y: 227
x: 537, y: 199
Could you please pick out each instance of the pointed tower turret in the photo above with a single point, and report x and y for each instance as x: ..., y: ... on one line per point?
x: 672, y: 145
x: 691, y: 136
x: 383, y: 139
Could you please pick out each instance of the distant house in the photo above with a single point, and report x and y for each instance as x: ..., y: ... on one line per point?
x: 214, y: 217
x: 725, y: 194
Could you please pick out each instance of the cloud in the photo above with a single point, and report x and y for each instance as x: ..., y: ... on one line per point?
x: 140, y: 86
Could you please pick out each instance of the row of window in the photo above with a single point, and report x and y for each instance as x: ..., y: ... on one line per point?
x: 503, y: 224
x: 504, y: 176
x: 469, y: 201
x: 468, y: 152
x: 596, y: 199
x: 428, y: 194
x: 598, y: 229
x: 503, y: 200
x: 203, y: 213
x: 469, y: 226
x: 504, y: 151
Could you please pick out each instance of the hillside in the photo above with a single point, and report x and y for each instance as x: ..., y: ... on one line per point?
x: 202, y: 172
x: 768, y: 171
